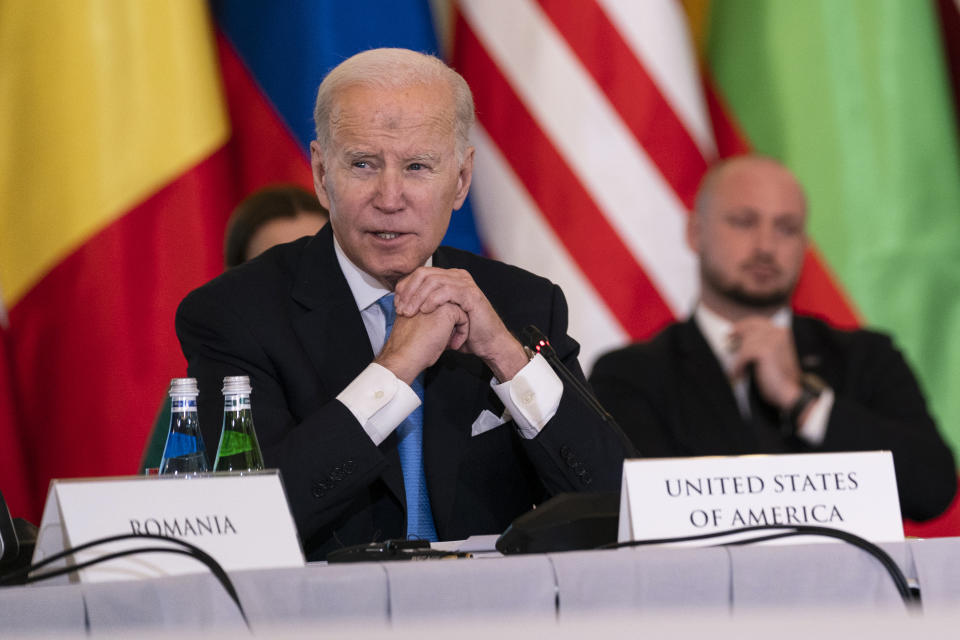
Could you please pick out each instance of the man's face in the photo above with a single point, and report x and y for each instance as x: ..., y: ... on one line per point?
x: 391, y: 178
x: 750, y: 237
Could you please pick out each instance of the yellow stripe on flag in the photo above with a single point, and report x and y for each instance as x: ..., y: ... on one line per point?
x: 698, y: 12
x: 102, y: 102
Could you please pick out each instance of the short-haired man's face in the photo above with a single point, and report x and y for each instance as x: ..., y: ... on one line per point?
x: 391, y: 177
x: 750, y: 237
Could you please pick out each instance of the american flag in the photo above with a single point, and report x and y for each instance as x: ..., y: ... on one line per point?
x: 596, y: 124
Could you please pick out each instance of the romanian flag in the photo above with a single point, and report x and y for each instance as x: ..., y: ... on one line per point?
x: 113, y: 188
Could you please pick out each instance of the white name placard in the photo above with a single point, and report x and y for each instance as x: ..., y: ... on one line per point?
x: 679, y: 497
x: 242, y: 520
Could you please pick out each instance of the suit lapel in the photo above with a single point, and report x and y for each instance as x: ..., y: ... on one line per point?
x: 710, y: 420
x: 332, y: 332
x: 814, y: 352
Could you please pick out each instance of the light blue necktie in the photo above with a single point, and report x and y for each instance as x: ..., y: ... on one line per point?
x: 410, y: 447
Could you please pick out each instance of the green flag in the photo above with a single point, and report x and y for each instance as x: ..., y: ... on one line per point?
x: 853, y: 95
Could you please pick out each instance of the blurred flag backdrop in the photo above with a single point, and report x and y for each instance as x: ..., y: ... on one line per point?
x: 128, y: 131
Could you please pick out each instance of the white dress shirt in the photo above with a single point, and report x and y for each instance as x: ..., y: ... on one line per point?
x: 717, y: 330
x: 380, y: 401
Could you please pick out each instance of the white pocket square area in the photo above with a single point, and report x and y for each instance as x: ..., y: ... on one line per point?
x: 485, y: 421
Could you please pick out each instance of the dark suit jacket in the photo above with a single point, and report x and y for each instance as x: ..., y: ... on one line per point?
x: 289, y: 321
x: 672, y: 398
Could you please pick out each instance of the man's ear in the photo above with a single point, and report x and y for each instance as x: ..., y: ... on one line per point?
x: 319, y: 174
x: 464, y: 178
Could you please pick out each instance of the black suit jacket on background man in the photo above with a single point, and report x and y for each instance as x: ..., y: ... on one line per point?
x: 672, y: 398
x: 289, y: 320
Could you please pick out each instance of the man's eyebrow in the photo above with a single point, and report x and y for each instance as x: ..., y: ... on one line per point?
x: 789, y: 213
x: 736, y: 211
x: 353, y: 154
x: 427, y: 156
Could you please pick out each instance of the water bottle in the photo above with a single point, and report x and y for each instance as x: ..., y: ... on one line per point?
x: 184, y: 451
x: 238, y: 449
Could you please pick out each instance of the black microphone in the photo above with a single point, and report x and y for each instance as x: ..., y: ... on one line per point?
x: 566, y: 521
x: 536, y: 341
x: 18, y: 539
x: 9, y: 541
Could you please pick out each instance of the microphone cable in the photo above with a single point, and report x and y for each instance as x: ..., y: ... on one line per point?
x: 909, y: 596
x: 187, y: 549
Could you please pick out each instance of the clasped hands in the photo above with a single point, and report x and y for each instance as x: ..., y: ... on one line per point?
x: 758, y: 343
x: 440, y: 309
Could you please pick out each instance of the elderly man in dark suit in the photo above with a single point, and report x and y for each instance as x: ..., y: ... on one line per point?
x: 744, y: 375
x: 388, y: 385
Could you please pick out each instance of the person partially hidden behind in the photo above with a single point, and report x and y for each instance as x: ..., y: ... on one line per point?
x: 388, y: 386
x: 268, y: 217
x: 744, y: 375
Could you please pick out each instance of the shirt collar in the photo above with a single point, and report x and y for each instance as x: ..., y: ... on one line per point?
x: 716, y: 330
x: 365, y: 288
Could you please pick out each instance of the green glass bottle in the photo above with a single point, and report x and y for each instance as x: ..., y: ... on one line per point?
x: 238, y: 449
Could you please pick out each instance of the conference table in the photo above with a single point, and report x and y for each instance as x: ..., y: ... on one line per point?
x: 643, y: 583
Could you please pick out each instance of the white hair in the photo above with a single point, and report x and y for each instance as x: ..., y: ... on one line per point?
x: 393, y: 69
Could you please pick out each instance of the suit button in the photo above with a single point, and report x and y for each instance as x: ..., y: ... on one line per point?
x: 349, y: 466
x: 564, y: 451
x: 319, y: 489
x: 337, y: 474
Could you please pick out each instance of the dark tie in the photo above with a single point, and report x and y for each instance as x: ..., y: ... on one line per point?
x: 765, y: 420
x: 410, y: 447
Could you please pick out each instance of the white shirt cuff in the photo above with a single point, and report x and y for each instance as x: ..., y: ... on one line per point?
x: 379, y: 401
x: 532, y: 396
x: 814, y: 428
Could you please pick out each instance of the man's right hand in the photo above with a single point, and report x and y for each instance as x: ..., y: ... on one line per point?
x: 770, y: 351
x: 417, y: 342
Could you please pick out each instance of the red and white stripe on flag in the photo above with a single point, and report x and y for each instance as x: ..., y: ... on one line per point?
x: 593, y: 134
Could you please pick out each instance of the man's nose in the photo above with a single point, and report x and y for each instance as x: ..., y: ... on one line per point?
x: 389, y: 196
x: 765, y: 238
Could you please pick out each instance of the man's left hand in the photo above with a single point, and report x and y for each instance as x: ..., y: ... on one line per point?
x: 427, y: 288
